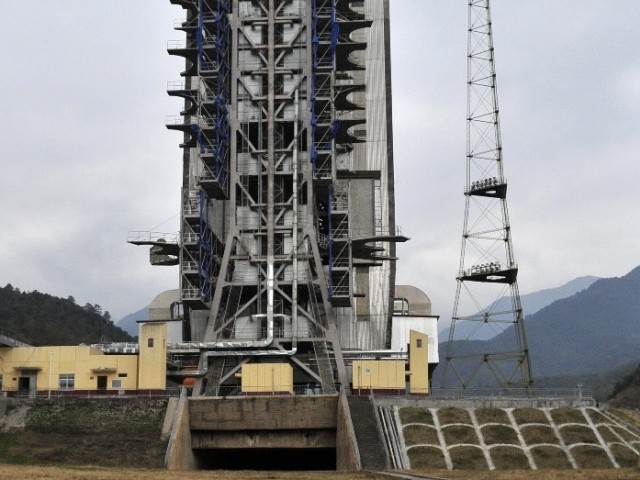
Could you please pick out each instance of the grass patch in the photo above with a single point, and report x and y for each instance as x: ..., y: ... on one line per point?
x: 535, y: 434
x: 104, y: 432
x: 457, y: 434
x: 34, y: 448
x: 509, y: 458
x: 453, y: 415
x: 567, y: 415
x: 468, y: 458
x: 577, y: 434
x: 597, y: 416
x: 624, y: 433
x: 591, y: 457
x: 550, y: 458
x: 499, y: 434
x: 631, y: 416
x: 92, y: 473
x: 56, y: 473
x: 529, y: 415
x: 625, y: 456
x: 420, y: 434
x: 623, y: 474
x: 415, y: 415
x: 607, y: 434
x: 426, y: 457
x: 491, y: 415
x: 114, y: 417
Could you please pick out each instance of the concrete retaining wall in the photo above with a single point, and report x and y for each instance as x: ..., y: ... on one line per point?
x: 263, y: 413
x: 179, y: 453
x: 347, y: 456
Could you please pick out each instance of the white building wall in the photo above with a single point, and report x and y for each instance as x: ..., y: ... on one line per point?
x: 377, y: 159
x: 400, y: 333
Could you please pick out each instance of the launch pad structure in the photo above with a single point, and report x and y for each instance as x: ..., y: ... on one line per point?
x: 286, y: 248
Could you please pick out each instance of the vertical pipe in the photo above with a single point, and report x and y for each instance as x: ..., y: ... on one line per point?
x: 330, y: 238
x: 270, y: 157
x: 294, y: 286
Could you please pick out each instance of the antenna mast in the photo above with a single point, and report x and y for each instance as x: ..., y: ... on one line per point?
x: 488, y: 272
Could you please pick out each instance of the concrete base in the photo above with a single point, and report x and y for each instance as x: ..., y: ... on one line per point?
x: 306, y: 424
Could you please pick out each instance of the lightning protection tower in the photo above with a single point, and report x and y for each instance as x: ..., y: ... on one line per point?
x: 488, y: 272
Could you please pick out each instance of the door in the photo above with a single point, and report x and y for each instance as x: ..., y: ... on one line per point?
x: 23, y: 386
x: 27, y: 384
x: 102, y: 383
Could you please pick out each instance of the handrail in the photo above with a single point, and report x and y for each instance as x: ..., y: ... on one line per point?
x: 147, y: 236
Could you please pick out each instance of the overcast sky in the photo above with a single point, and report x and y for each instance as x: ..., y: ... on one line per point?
x: 86, y: 157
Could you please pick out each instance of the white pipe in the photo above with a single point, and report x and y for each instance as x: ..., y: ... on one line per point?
x: 294, y: 292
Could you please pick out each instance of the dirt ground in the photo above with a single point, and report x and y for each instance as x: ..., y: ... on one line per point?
x: 13, y: 472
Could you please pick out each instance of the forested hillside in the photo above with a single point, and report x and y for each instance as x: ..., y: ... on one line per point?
x: 626, y: 392
x: 590, y: 333
x: 595, y: 330
x: 41, y: 319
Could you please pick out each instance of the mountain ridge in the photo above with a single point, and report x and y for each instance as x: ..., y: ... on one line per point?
x: 595, y: 330
x: 531, y: 304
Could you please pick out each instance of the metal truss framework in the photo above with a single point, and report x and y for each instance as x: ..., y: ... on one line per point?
x: 487, y: 271
x: 265, y: 237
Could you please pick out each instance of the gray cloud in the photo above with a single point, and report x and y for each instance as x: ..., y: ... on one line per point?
x: 86, y: 157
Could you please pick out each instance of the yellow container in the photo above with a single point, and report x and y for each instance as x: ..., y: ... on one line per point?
x: 267, y: 378
x: 378, y: 375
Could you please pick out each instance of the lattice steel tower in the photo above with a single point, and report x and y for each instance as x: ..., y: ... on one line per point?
x: 287, y: 207
x: 488, y: 271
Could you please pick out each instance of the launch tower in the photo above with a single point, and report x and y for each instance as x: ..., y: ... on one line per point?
x: 286, y: 244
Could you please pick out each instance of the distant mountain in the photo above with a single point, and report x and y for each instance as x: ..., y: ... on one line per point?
x: 531, y: 303
x: 129, y: 323
x: 41, y: 319
x: 595, y: 330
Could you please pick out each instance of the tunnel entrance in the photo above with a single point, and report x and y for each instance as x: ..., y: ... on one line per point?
x: 266, y: 459
x: 296, y: 433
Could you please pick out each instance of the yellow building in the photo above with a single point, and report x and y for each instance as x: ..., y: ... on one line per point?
x: 418, y: 363
x: 71, y: 370
x: 391, y: 376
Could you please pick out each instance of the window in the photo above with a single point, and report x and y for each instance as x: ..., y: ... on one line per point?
x: 66, y: 381
x: 122, y: 375
x: 418, y: 343
x: 150, y: 342
x: 400, y: 306
x: 116, y: 383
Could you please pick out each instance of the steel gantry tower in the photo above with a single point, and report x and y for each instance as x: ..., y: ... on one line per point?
x: 283, y: 120
x: 488, y: 271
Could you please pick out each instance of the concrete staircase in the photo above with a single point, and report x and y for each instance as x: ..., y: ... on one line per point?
x: 373, y: 454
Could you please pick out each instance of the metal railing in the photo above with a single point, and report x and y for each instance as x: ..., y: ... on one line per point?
x: 146, y: 236
x: 115, y: 393
x: 517, y: 393
x: 268, y: 390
